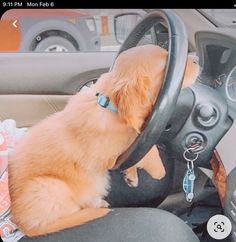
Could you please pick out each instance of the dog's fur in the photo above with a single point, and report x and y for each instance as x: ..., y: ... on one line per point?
x: 58, y: 173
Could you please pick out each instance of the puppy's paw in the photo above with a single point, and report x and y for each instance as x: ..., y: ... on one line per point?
x: 104, y: 204
x: 158, y: 175
x: 130, y: 178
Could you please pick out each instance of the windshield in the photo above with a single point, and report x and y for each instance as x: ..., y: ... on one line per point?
x: 221, y: 17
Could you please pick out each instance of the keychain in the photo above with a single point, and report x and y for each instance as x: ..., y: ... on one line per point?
x: 189, y: 177
x: 188, y: 181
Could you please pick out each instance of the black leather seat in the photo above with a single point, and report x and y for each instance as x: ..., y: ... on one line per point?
x: 126, y: 225
x: 131, y: 224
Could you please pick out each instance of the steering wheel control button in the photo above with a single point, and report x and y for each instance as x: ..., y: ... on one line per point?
x: 219, y: 227
x: 207, y: 115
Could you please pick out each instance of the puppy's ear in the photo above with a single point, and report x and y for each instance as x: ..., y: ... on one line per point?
x: 191, y: 72
x: 133, y: 99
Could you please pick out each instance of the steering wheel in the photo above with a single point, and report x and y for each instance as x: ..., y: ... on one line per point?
x: 170, y: 90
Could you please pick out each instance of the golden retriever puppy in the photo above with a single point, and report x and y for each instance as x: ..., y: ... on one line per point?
x: 145, y: 62
x: 152, y: 162
x: 58, y: 173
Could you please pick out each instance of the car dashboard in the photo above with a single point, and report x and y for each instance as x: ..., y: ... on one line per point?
x: 217, y: 57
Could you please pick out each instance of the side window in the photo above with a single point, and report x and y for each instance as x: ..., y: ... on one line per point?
x: 105, y: 20
x: 73, y: 30
x: 62, y: 30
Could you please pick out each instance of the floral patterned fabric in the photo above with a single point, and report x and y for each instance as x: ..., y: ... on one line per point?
x: 9, y: 136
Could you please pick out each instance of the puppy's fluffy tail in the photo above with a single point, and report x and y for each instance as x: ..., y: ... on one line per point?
x: 75, y: 219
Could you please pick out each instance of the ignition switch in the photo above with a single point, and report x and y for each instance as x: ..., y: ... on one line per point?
x: 195, y: 142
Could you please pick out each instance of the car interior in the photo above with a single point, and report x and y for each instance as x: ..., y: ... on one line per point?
x: 193, y: 128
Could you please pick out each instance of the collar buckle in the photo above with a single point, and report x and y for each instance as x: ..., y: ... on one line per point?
x: 104, y: 102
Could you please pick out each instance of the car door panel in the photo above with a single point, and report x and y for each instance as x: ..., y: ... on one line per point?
x: 50, y: 73
x: 28, y: 110
x: 34, y: 86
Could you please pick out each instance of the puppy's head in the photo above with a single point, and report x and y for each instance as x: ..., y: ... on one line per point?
x: 136, y: 79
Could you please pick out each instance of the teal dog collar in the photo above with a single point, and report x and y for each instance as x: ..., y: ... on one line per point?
x: 105, y: 102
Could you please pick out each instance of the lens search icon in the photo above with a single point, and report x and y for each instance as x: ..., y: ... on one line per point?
x: 219, y: 227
